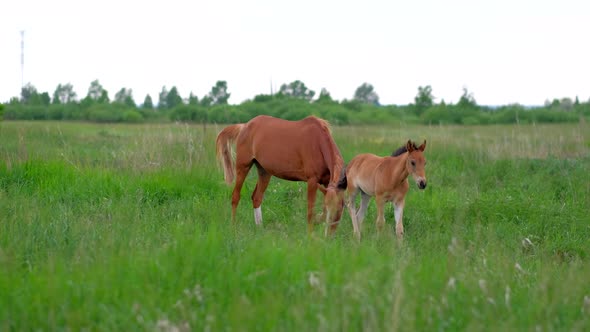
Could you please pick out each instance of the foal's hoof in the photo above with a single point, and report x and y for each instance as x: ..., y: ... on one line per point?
x: 357, y: 236
x: 319, y: 219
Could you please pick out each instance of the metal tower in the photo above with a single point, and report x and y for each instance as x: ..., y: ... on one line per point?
x: 22, y: 58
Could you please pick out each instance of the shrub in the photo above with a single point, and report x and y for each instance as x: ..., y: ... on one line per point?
x: 132, y: 116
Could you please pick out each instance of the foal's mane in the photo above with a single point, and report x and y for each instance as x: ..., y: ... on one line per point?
x: 403, y: 149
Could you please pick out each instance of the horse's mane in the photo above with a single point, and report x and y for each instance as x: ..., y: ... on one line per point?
x: 403, y: 149
x: 323, y: 123
x: 338, y: 172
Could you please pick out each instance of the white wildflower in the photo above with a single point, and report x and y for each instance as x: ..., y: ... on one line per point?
x: 507, y: 296
x: 519, y: 268
x: 586, y: 305
x: 451, y: 283
x: 483, y: 286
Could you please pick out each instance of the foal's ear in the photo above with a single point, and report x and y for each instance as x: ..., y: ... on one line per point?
x: 410, y: 146
x: 342, y: 182
x: 422, y: 147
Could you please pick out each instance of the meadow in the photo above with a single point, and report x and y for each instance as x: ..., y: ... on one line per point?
x: 127, y: 227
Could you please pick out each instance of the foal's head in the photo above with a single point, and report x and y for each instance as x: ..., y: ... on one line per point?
x: 416, y: 162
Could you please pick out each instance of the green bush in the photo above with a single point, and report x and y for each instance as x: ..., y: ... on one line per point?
x: 344, y: 113
x: 132, y: 116
x: 99, y: 113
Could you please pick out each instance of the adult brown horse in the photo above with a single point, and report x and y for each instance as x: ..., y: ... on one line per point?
x: 386, y: 179
x: 292, y: 150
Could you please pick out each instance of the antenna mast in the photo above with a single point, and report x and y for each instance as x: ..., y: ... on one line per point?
x: 271, y: 92
x: 22, y: 59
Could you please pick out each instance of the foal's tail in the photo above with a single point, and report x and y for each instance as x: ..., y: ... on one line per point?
x: 223, y: 143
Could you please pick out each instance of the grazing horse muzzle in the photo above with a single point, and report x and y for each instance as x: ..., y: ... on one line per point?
x: 422, y: 184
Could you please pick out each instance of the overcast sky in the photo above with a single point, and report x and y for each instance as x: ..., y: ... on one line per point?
x: 504, y: 51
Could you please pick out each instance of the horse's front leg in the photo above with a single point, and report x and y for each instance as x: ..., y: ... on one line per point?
x: 258, y: 194
x: 312, y: 188
x: 319, y: 218
x: 380, y: 201
x: 398, y: 210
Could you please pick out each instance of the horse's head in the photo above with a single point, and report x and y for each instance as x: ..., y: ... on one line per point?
x: 416, y: 162
x: 334, y: 202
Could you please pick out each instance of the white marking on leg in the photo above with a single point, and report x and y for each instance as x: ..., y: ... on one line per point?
x: 352, y: 211
x: 398, y: 211
x: 258, y: 215
x: 327, y: 223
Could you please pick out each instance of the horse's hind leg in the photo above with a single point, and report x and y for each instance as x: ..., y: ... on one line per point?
x: 380, y: 201
x: 258, y: 194
x: 352, y: 211
x: 242, y: 170
x: 360, y: 215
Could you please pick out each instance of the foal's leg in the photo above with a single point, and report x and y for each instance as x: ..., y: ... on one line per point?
x: 242, y: 170
x: 380, y: 201
x: 312, y: 189
x: 258, y: 194
x: 398, y: 210
x: 352, y: 211
x: 360, y: 215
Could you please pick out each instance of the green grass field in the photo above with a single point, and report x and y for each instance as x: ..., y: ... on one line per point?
x: 127, y: 227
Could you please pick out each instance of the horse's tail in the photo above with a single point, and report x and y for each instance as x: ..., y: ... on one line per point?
x: 223, y: 143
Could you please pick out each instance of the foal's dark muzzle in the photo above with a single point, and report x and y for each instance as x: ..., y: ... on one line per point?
x: 422, y: 184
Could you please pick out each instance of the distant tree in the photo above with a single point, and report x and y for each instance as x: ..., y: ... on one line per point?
x: 30, y: 96
x: 45, y: 99
x: 566, y: 104
x: 206, y: 101
x: 173, y: 99
x: 297, y: 89
x: 64, y: 94
x: 219, y: 94
x: 366, y: 94
x: 325, y: 97
x: 97, y: 93
x: 424, y: 99
x: 1, y: 111
x: 104, y: 97
x: 467, y: 100
x: 577, y: 101
x: 263, y: 98
x: 148, y: 103
x: 193, y: 99
x: 125, y: 97
x: 162, y: 98
x: 553, y: 104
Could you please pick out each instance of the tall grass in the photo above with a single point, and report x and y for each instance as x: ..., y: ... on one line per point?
x: 127, y: 228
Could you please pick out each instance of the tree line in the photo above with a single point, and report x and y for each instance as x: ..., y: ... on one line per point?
x: 293, y: 101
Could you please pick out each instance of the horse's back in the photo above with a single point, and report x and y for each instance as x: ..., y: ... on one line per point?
x: 268, y: 126
x: 287, y: 149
